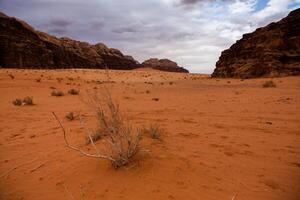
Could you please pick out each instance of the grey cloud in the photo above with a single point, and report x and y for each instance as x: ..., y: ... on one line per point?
x: 57, y: 31
x: 60, y: 22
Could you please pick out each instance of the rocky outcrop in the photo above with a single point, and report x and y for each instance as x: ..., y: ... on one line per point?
x: 21, y: 46
x: 163, y: 65
x: 270, y: 51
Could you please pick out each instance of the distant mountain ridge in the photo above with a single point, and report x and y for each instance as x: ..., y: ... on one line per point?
x: 163, y: 65
x: 21, y: 46
x: 270, y: 51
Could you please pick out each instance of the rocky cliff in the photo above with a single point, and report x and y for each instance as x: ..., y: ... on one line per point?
x: 21, y: 46
x: 163, y: 65
x: 273, y: 50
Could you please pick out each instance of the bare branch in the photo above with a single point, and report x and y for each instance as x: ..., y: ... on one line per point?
x: 75, y: 148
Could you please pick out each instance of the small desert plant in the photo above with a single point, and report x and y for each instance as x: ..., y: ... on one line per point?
x: 70, y: 116
x: 11, y: 76
x: 59, y: 79
x: 96, y: 135
x: 154, y: 131
x: 73, y: 91
x: 57, y: 93
x: 155, y: 99
x: 122, y: 142
x: 38, y: 80
x: 17, y: 102
x: 28, y: 101
x: 268, y: 84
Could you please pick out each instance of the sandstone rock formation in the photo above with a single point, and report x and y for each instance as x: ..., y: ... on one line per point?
x: 21, y: 46
x: 273, y: 50
x: 163, y: 65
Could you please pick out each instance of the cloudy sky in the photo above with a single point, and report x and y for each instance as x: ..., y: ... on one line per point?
x: 191, y: 32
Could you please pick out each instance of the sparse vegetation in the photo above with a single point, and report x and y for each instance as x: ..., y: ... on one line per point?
x: 28, y: 101
x: 17, y: 102
x: 96, y: 135
x: 154, y: 131
x: 59, y: 79
x: 70, y: 116
x: 11, y: 76
x: 57, y: 93
x: 122, y: 141
x: 268, y: 84
x: 155, y: 99
x: 73, y: 91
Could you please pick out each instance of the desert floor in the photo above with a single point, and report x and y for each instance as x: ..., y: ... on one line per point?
x: 221, y: 139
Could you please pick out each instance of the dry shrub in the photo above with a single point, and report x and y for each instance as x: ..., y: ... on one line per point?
x: 17, y: 102
x: 268, y: 84
x: 28, y: 101
x: 121, y: 140
x: 11, y: 76
x: 57, y: 93
x: 73, y: 91
x: 154, y: 131
x: 59, y: 79
x: 70, y: 116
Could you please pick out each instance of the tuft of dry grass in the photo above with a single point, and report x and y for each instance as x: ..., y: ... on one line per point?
x: 121, y: 140
x: 57, y: 93
x: 70, y: 116
x: 73, y: 91
x: 25, y: 101
x: 28, y: 101
x: 17, y: 102
x: 154, y: 131
x: 11, y: 76
x: 268, y: 84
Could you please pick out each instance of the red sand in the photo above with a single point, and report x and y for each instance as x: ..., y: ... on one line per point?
x: 222, y: 139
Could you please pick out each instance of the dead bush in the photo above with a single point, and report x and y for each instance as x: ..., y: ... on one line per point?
x: 121, y: 140
x: 73, y: 91
x: 25, y: 101
x: 268, y: 84
x: 17, y: 102
x: 11, y: 76
x: 57, y: 93
x: 70, y: 116
x: 28, y: 101
x: 154, y: 131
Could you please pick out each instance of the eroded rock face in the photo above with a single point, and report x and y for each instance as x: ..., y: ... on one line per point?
x: 163, y: 64
x: 270, y: 51
x: 21, y: 46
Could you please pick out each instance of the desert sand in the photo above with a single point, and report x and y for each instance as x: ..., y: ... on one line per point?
x: 221, y: 139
